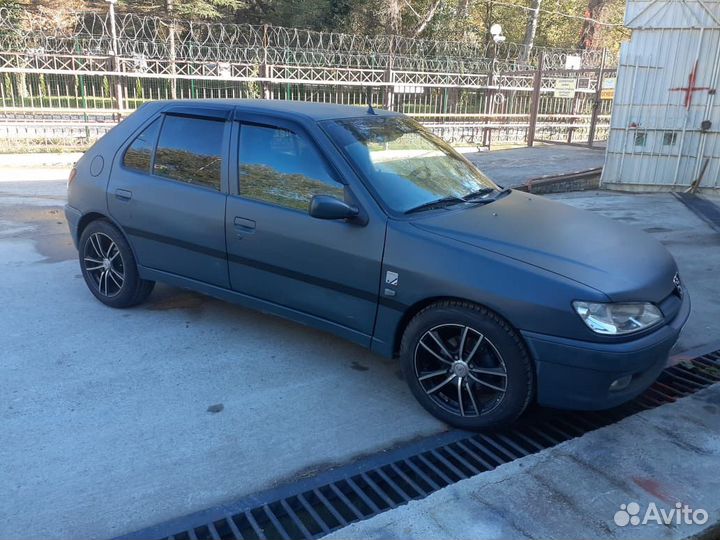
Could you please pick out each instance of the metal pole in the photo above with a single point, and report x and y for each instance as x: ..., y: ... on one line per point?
x: 535, y: 100
x: 388, y: 76
x: 597, y: 101
x: 116, y: 59
x: 83, y: 95
x: 264, y: 65
x: 171, y: 41
x: 492, y: 81
x: 687, y: 117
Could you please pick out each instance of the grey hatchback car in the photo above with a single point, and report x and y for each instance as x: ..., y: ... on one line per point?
x: 364, y: 224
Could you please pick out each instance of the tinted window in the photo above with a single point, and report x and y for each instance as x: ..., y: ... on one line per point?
x: 139, y: 153
x: 190, y: 150
x: 283, y: 168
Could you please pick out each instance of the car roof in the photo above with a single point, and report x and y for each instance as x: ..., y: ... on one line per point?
x: 297, y: 109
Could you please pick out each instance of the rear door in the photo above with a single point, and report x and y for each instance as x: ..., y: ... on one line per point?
x: 168, y: 191
x: 277, y: 251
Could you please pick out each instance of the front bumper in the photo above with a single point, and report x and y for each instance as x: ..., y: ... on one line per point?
x: 73, y: 215
x: 575, y: 374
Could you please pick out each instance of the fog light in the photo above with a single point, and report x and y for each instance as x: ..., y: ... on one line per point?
x: 621, y: 383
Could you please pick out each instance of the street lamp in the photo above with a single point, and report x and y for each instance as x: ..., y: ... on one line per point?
x: 496, y: 33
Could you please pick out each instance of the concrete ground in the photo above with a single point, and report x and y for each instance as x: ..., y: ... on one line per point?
x: 107, y: 415
x: 665, y: 456
x: 104, y: 413
x: 514, y: 167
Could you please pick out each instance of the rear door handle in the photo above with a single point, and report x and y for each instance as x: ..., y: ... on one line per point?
x: 244, y: 225
x: 123, y: 194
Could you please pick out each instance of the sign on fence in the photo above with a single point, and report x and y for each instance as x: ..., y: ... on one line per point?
x: 406, y: 89
x: 607, y: 91
x: 573, y: 61
x: 565, y: 88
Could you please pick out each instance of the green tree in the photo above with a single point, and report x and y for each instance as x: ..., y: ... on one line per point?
x: 338, y: 15
x: 552, y: 23
x: 183, y: 9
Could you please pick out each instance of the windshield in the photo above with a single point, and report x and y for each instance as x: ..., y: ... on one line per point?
x: 407, y: 166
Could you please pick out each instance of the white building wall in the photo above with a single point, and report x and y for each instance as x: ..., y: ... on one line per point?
x: 657, y: 140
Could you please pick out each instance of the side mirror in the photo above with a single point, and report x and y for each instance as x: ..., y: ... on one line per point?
x: 326, y: 207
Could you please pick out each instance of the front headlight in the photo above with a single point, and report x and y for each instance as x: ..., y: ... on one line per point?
x: 617, y: 319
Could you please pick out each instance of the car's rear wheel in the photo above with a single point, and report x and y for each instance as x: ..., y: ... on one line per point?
x: 466, y: 365
x: 109, y: 267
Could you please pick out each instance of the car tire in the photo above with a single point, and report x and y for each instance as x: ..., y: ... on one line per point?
x: 467, y: 366
x: 109, y: 267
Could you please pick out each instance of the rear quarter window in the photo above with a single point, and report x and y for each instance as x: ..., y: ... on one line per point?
x: 138, y: 156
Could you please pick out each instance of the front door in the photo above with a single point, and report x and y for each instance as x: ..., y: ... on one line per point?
x: 168, y: 193
x: 277, y: 252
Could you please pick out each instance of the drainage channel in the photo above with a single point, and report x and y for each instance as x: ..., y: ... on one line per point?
x: 705, y: 209
x: 313, y: 507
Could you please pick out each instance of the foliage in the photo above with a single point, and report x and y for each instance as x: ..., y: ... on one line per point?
x: 42, y: 86
x: 8, y: 86
x: 185, y: 9
x: 560, y: 22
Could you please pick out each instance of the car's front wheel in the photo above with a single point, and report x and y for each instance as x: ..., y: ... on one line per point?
x: 109, y: 268
x: 466, y: 365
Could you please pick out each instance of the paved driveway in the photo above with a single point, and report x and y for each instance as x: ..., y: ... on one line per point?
x: 105, y: 418
x: 107, y: 414
x: 515, y: 166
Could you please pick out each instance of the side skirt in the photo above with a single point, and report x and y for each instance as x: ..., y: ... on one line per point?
x: 256, y: 304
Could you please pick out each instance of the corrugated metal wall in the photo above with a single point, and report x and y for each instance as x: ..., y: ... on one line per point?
x: 660, y: 137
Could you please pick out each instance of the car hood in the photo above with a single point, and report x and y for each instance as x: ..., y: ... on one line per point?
x: 622, y: 262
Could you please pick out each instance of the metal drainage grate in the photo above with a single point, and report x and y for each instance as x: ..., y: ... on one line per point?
x: 316, y: 506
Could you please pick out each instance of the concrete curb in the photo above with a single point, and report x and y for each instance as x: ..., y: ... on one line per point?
x: 44, y: 160
x: 663, y: 456
x: 575, y: 181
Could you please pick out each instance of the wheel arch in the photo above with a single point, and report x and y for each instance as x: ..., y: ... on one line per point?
x: 90, y: 217
x: 417, y: 307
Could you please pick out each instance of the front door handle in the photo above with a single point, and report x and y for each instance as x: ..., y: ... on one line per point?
x: 123, y: 194
x: 244, y: 225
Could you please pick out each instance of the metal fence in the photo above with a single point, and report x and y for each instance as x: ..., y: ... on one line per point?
x: 68, y: 85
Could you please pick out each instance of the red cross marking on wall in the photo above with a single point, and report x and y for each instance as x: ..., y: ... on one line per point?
x: 690, y: 88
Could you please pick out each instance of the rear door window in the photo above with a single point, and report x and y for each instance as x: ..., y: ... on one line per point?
x: 190, y: 150
x: 138, y: 156
x: 284, y: 168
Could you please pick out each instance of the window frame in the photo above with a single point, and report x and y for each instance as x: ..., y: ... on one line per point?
x: 266, y: 121
x: 360, y: 175
x: 200, y: 113
x: 671, y: 135
x: 640, y: 135
x: 134, y: 137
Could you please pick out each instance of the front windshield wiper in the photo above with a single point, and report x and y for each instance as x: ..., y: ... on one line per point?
x: 437, y: 203
x: 477, y: 197
x: 479, y: 194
